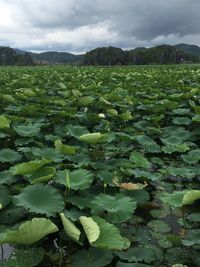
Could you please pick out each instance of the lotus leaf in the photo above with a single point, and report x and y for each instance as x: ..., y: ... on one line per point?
x: 91, y: 138
x: 28, y: 167
x: 91, y: 228
x: 40, y: 199
x: 30, y: 232
x: 110, y: 237
x: 4, y: 122
x: 70, y: 229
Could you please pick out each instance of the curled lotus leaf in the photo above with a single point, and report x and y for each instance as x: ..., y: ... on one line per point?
x: 91, y: 228
x: 28, y: 167
x: 30, y: 232
x: 91, y: 138
x: 70, y: 229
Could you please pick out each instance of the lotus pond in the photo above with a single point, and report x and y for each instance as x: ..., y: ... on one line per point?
x: 100, y: 166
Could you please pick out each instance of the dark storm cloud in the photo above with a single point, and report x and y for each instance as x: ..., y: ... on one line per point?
x: 79, y: 25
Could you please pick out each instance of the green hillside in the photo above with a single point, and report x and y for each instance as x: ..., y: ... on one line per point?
x: 192, y: 49
x: 9, y: 57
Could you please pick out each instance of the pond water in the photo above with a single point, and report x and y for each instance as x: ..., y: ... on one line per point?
x: 5, y: 251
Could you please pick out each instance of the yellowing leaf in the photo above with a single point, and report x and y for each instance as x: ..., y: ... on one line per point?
x: 70, y: 229
x: 190, y: 197
x: 91, y: 138
x: 64, y: 149
x: 130, y: 186
x: 4, y: 122
x: 91, y: 228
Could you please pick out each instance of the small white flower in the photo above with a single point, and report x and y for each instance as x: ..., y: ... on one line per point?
x: 101, y: 115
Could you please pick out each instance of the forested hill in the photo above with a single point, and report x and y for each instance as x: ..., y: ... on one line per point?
x: 108, y: 56
x: 192, y: 49
x: 53, y: 57
x: 164, y: 54
x: 9, y: 57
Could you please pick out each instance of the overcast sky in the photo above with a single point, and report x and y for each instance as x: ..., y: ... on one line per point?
x: 81, y: 25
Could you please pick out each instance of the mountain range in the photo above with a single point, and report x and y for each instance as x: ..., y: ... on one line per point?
x: 163, y: 54
x: 65, y: 57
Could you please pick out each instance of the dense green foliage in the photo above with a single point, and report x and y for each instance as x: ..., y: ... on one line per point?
x: 100, y: 166
x: 9, y: 57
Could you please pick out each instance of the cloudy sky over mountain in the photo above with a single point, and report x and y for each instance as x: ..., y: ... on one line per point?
x: 80, y: 25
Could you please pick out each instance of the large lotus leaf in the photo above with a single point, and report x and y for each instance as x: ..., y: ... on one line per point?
x: 79, y: 179
x: 47, y: 153
x: 181, y: 120
x: 178, y: 132
x: 30, y: 232
x: 95, y: 257
x: 5, y: 197
x: 181, y: 111
x: 119, y: 208
x: 40, y: 198
x: 4, y: 122
x: 172, y: 141
x: 112, y: 112
x: 105, y: 176
x: 159, y: 226
x: 64, y: 149
x: 139, y: 196
x: 28, y: 167
x: 148, y: 144
x: 110, y: 237
x: 146, y: 174
x: 194, y: 217
x: 182, y: 171
x: 192, y: 157
x: 174, y: 199
x: 24, y: 257
x: 192, y: 238
x: 138, y: 254
x: 196, y: 118
x: 74, y: 214
x: 91, y: 138
x: 9, y: 155
x: 8, y: 98
x: 122, y: 264
x: 126, y: 116
x: 179, y: 265
x: 76, y: 130
x: 139, y: 160
x: 91, y: 228
x: 190, y: 197
x: 169, y: 149
x: 11, y: 214
x: 44, y: 174
x: 86, y: 100
x: 27, y: 130
x: 70, y: 229
x: 6, y: 177
x: 83, y: 198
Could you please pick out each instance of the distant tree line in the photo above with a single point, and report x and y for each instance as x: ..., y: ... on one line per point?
x: 9, y: 57
x: 164, y: 54
x: 104, y: 56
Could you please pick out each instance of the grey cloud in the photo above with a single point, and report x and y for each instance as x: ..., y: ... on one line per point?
x: 70, y: 24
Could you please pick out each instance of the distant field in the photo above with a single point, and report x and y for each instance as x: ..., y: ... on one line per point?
x: 100, y: 166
